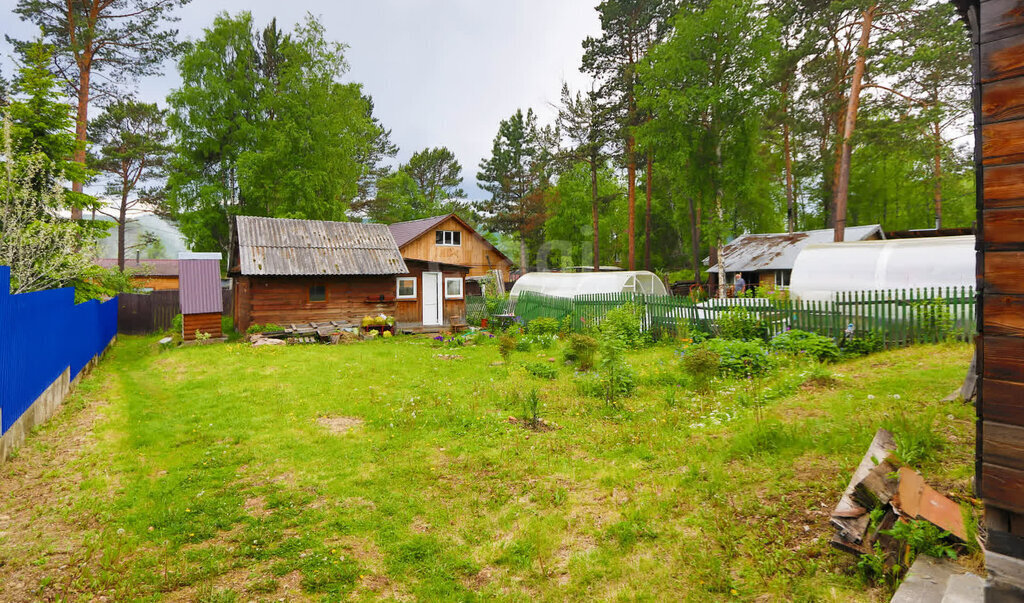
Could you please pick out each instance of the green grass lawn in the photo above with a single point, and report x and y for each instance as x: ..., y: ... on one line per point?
x: 206, y: 473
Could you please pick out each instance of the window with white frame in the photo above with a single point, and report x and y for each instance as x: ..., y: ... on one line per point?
x: 406, y: 287
x: 448, y: 237
x: 453, y: 288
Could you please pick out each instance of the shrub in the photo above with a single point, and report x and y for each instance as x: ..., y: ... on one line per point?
x: 802, y: 342
x: 506, y: 345
x: 531, y: 409
x: 740, y: 358
x: 935, y: 320
x: 701, y: 364
x: 177, y: 324
x: 626, y: 325
x: 544, y: 370
x: 862, y: 345
x: 255, y: 328
x: 496, y: 304
x: 543, y: 326
x: 740, y: 323
x: 618, y: 379
x: 581, y: 351
x: 227, y: 324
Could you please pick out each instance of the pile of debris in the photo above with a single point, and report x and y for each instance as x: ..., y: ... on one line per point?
x: 332, y: 332
x: 899, y: 494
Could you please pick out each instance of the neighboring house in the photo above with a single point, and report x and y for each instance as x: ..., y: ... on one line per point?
x: 298, y: 271
x: 449, y: 240
x: 158, y: 275
x: 767, y: 259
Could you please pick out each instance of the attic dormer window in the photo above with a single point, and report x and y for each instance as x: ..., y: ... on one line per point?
x: 448, y: 237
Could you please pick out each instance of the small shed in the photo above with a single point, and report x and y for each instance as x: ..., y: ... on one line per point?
x: 199, y: 294
x: 570, y: 284
x: 768, y: 259
x: 824, y: 269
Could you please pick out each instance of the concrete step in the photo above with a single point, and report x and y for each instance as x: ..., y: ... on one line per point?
x: 932, y: 580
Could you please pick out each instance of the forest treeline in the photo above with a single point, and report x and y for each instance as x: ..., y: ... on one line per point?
x: 701, y: 120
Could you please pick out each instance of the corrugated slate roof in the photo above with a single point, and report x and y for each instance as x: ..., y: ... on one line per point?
x: 284, y: 247
x: 778, y: 251
x: 149, y: 267
x: 199, y: 283
x: 407, y: 231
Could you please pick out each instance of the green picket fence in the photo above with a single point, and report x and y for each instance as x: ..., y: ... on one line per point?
x: 899, y: 316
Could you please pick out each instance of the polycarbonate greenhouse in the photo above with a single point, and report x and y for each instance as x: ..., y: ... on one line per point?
x: 822, y: 270
x: 571, y: 284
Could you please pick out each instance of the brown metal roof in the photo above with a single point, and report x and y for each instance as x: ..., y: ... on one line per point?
x: 284, y: 247
x: 148, y: 267
x: 407, y: 231
x: 199, y: 285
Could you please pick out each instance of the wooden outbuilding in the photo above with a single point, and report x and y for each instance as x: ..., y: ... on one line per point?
x: 997, y: 32
x: 450, y: 240
x: 299, y: 271
x: 199, y: 294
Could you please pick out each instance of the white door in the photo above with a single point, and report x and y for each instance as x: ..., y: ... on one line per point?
x: 432, y: 304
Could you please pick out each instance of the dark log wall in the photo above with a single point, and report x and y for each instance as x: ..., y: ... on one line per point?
x: 997, y: 29
x: 285, y: 300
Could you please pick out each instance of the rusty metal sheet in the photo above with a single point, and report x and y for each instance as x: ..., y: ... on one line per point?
x: 285, y: 247
x: 778, y: 251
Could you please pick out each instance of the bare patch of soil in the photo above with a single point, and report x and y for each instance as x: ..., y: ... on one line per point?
x: 339, y: 425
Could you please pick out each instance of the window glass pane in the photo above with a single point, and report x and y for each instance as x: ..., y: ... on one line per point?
x: 406, y: 287
x: 439, y: 237
x: 456, y: 238
x: 453, y: 287
x: 318, y: 293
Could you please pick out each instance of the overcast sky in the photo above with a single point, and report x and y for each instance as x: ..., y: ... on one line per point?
x: 441, y: 72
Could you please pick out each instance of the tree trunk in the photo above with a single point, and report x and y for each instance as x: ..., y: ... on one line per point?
x: 788, y: 160
x: 631, y: 159
x: 647, y: 212
x: 722, y: 277
x: 81, y: 124
x: 937, y: 174
x: 843, y: 185
x: 594, y: 213
x: 522, y: 253
x: 122, y: 218
x: 695, y: 238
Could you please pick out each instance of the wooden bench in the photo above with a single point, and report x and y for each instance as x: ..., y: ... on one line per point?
x: 458, y: 323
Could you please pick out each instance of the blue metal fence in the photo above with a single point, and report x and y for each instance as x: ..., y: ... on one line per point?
x: 41, y: 334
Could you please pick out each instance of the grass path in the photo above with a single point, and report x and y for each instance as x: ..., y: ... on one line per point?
x: 209, y: 474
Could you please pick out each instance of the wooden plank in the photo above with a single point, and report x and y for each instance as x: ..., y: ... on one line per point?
x: 1002, y: 59
x: 1004, y: 358
x: 1002, y: 487
x: 1003, y: 401
x: 1000, y: 19
x: 1003, y: 445
x: 1004, y: 185
x: 1004, y: 315
x: 1004, y: 226
x: 1003, y: 272
x: 1003, y: 143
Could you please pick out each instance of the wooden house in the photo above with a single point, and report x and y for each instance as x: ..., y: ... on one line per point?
x: 154, y: 275
x: 997, y: 33
x: 199, y: 294
x: 298, y: 271
x: 451, y: 241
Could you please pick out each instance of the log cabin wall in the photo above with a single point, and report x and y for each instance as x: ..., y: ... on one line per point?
x: 209, y: 323
x: 997, y: 29
x: 284, y: 300
x: 411, y: 310
x: 475, y: 251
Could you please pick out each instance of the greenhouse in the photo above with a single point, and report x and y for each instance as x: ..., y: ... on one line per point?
x: 822, y: 270
x: 571, y: 284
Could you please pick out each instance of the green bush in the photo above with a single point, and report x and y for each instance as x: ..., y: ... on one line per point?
x: 531, y: 409
x: 177, y: 323
x: 506, y: 345
x: 740, y: 323
x: 543, y: 326
x: 701, y: 364
x: 544, y: 370
x: 227, y: 325
x: 581, y: 351
x: 255, y: 328
x: 811, y: 344
x: 862, y: 345
x: 740, y: 358
x: 496, y: 304
x: 626, y: 324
